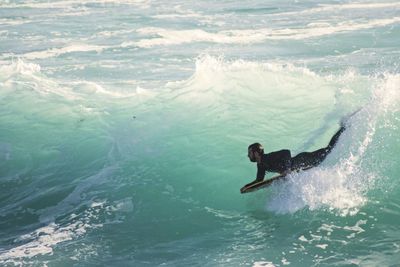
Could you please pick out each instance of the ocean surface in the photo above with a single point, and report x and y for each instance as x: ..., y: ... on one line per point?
x: 124, y: 128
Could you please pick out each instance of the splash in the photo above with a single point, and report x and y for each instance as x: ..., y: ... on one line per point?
x: 343, y: 186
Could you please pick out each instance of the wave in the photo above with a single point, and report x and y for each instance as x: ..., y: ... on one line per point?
x: 175, y: 37
x: 304, y: 108
x: 20, y: 74
x: 81, y: 211
x: 331, y: 8
x: 198, y: 130
x: 72, y: 3
x: 13, y: 22
x: 55, y: 52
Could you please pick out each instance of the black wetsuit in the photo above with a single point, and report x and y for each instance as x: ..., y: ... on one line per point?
x: 282, y: 161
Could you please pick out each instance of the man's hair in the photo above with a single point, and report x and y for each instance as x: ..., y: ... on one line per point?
x: 256, y: 147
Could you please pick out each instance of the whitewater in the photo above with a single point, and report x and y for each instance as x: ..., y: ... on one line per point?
x: 124, y: 128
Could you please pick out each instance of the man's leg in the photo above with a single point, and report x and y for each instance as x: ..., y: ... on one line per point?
x: 311, y: 159
x: 306, y: 160
x: 335, y: 138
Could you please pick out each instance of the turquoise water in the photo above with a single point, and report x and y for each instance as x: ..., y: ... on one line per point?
x: 124, y: 128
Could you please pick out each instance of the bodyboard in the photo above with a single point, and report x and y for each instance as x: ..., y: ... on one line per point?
x: 253, y: 186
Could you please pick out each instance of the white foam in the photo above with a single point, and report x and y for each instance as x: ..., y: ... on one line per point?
x: 113, y: 33
x: 357, y: 227
x: 322, y: 246
x: 13, y: 22
x: 206, y: 64
x: 175, y: 37
x: 42, y: 240
x: 89, y: 87
x: 330, y: 8
x: 29, y: 76
x: 263, y: 264
x: 223, y: 214
x: 178, y: 12
x: 75, y: 3
x: 176, y: 16
x: 54, y: 52
x: 363, y: 6
x: 18, y: 67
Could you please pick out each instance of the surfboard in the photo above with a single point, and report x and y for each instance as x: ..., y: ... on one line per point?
x: 254, y: 186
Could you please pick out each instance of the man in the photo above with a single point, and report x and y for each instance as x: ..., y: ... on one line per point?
x: 282, y: 162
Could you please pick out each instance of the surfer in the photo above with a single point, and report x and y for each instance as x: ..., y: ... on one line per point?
x: 282, y: 162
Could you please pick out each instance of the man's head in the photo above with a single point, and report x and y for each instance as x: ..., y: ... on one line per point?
x: 255, y: 152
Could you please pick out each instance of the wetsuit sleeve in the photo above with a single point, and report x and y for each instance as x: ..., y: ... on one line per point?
x: 260, y: 172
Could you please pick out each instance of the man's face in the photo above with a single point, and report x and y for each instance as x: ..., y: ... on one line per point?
x: 252, y: 156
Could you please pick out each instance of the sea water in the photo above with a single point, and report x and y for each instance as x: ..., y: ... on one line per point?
x: 124, y: 128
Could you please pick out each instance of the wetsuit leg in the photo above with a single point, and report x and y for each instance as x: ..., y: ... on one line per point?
x: 335, y: 138
x: 312, y: 159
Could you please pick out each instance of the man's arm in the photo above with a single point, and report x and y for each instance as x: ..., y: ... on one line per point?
x: 260, y: 172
